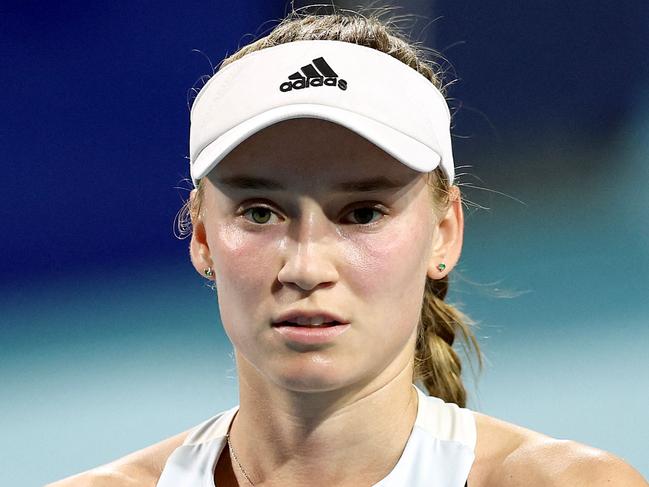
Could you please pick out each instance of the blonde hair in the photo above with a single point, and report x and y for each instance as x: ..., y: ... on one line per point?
x: 437, y: 365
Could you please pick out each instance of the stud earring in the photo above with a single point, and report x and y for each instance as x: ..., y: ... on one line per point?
x: 208, y: 272
x: 441, y: 267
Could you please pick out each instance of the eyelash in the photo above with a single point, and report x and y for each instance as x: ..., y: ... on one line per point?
x: 376, y: 207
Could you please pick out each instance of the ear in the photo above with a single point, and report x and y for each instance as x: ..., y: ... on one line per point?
x: 447, y: 241
x: 199, y: 250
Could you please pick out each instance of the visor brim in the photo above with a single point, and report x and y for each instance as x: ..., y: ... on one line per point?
x: 402, y: 147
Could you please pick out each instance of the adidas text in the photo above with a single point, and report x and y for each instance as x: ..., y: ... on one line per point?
x: 300, y: 84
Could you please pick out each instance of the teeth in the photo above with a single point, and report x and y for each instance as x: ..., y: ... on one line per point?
x: 315, y: 320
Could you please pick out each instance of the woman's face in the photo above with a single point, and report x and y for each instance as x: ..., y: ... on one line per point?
x: 322, y: 236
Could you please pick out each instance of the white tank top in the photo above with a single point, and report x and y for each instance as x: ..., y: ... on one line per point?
x: 439, y: 451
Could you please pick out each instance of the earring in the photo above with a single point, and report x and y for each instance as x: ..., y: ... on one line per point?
x: 208, y: 272
x: 441, y: 267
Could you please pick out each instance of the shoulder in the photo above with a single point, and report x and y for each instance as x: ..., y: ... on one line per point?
x: 559, y: 463
x: 141, y: 468
x: 508, y: 455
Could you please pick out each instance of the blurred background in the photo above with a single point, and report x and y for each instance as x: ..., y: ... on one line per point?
x: 109, y: 341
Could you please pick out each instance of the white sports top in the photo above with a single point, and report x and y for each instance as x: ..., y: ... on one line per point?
x: 438, y: 453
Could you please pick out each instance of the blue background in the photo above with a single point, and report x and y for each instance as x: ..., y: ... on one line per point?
x: 110, y: 342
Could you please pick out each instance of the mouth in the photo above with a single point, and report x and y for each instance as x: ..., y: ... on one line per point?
x: 310, y: 334
x: 325, y: 324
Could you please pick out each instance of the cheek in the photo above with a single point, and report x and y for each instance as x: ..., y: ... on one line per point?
x: 392, y: 261
x: 389, y: 275
x: 244, y: 267
x: 234, y: 252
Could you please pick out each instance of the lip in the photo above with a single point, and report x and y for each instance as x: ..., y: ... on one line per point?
x: 293, y: 315
x: 310, y: 335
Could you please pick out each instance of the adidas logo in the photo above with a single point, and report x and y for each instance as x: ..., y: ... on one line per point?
x: 322, y: 76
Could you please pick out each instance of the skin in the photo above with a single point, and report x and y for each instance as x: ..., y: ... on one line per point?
x: 303, y: 409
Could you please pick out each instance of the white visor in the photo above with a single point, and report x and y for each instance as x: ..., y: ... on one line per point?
x: 370, y: 92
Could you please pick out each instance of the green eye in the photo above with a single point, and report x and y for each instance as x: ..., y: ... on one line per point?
x: 259, y: 214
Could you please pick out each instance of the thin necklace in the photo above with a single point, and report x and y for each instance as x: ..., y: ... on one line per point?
x: 234, y: 455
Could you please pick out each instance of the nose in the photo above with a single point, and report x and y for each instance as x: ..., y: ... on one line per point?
x: 308, y: 262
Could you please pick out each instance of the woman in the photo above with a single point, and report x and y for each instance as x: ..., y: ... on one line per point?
x: 326, y: 215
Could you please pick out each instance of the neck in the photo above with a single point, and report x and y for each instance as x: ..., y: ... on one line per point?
x: 350, y: 436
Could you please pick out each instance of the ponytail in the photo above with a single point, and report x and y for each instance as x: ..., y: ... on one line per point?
x: 437, y: 365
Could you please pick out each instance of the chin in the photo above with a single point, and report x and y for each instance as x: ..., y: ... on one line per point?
x: 313, y: 377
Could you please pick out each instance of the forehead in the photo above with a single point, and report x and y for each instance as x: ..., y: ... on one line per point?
x: 313, y: 148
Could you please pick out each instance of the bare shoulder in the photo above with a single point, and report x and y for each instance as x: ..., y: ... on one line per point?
x: 141, y: 468
x: 508, y: 455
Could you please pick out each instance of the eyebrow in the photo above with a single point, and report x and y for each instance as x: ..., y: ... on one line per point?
x: 380, y: 183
